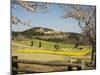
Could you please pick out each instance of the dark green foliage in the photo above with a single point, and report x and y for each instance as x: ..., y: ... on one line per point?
x: 75, y: 38
x: 40, y: 44
x: 32, y: 43
x: 56, y: 47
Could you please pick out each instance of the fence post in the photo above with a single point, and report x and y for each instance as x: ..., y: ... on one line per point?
x: 69, y: 68
x: 79, y: 68
x: 83, y: 63
x: 79, y: 61
x: 14, y: 65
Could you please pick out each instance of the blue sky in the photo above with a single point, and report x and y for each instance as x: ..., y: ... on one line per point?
x: 52, y: 19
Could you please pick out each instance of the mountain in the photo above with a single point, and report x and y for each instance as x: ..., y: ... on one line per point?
x: 40, y: 31
x: 36, y: 31
x: 44, y: 34
x: 49, y: 35
x: 32, y: 31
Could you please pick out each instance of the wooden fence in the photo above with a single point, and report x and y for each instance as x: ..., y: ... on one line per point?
x: 15, y: 62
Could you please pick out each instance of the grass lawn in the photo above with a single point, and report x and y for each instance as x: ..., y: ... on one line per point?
x: 44, y: 44
x: 47, y: 47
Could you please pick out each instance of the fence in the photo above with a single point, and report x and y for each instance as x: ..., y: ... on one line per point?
x: 15, y: 62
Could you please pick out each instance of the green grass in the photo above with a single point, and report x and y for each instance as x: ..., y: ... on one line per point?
x: 45, y: 44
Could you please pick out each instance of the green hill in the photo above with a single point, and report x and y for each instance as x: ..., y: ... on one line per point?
x: 47, y: 34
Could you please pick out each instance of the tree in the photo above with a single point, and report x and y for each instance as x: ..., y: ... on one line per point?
x: 31, y: 7
x: 75, y: 38
x: 86, y: 18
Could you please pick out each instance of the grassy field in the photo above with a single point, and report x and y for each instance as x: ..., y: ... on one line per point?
x: 47, y: 52
x: 45, y: 44
x: 48, y: 48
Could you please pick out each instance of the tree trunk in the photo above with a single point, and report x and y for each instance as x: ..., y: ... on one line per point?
x: 93, y: 55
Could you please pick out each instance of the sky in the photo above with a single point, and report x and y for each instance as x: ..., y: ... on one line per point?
x: 52, y: 19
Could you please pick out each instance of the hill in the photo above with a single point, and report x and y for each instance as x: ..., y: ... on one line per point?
x: 32, y: 31
x: 40, y: 31
x: 47, y: 34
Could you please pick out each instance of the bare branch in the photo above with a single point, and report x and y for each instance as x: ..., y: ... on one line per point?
x: 30, y: 7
